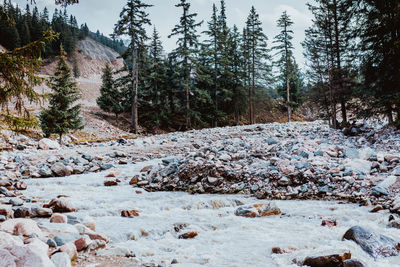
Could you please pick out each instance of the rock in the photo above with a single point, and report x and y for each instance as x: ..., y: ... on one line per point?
x: 33, y: 254
x: 46, y: 144
x: 70, y: 250
x: 20, y: 186
x: 329, y: 222
x: 6, y: 211
x: 147, y: 168
x: 134, y: 180
x: 87, y: 157
x: 351, y: 153
x: 64, y: 238
x: 41, y: 212
x: 51, y: 243
x: 83, y: 230
x: 105, y: 167
x: 60, y: 169
x: 25, y: 227
x: 189, y: 235
x: 327, y: 261
x: 6, y: 259
x: 258, y: 210
x: 376, y: 209
x: 23, y: 212
x: 213, y: 181
x: 116, y: 251
x: 58, y: 218
x: 378, y: 246
x: 82, y: 243
x: 110, y: 183
x: 272, y: 141
x: 97, y: 244
x: 396, y: 171
x: 378, y: 191
x: 61, y: 259
x: 61, y: 205
x: 129, y: 213
x: 352, y: 263
x: 5, y: 182
x: 284, y: 181
x: 394, y: 224
x: 16, y: 202
x: 44, y: 171
x: 6, y: 238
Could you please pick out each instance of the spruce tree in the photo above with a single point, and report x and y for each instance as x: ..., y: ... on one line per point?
x: 284, y: 49
x: 186, y: 51
x: 110, y: 97
x: 62, y: 116
x: 132, y: 23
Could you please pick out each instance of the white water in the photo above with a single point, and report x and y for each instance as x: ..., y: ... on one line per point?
x: 223, y: 238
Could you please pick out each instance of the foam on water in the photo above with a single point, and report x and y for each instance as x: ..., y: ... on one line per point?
x: 223, y: 238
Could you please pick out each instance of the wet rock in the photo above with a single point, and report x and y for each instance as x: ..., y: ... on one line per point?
x: 58, y: 218
x: 61, y: 259
x: 6, y: 211
x: 213, y: 180
x: 134, y: 180
x: 5, y: 182
x: 394, y: 224
x: 396, y: 171
x: 44, y: 171
x: 378, y: 246
x: 61, y: 205
x: 353, y: 263
x: 83, y: 230
x: 129, y: 213
x: 107, y: 166
x: 23, y: 212
x: 41, y: 212
x: 110, y: 183
x: 258, y: 210
x: 284, y: 181
x: 327, y: 261
x: 46, y: 144
x: 60, y: 170
x: 376, y: 209
x: 188, y: 235
x: 20, y: 186
x: 51, y: 243
x: 329, y: 222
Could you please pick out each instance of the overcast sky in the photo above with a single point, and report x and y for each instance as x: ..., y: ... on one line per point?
x: 103, y: 14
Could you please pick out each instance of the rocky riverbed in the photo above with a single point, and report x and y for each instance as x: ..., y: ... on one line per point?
x: 249, y: 195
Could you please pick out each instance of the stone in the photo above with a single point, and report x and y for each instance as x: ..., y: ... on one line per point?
x: 352, y: 263
x: 378, y: 246
x: 110, y: 183
x: 335, y: 260
x: 329, y: 222
x: 60, y: 170
x: 16, y: 202
x: 396, y: 171
x: 48, y: 144
x: 70, y: 250
x: 6, y: 211
x: 23, y: 212
x: 378, y: 191
x: 147, y: 168
x: 97, y: 244
x: 41, y: 212
x: 83, y: 230
x: 64, y: 238
x: 213, y: 181
x: 61, y: 205
x: 44, y: 171
x: 51, y: 243
x: 376, y: 209
x: 258, y: 210
x: 20, y: 186
x: 58, y: 218
x: 351, y: 153
x: 284, y: 181
x: 82, y: 243
x: 6, y: 238
x: 105, y: 167
x: 7, y: 259
x: 129, y: 213
x: 189, y: 235
x: 61, y: 259
x: 272, y: 141
x: 134, y: 180
x: 25, y: 227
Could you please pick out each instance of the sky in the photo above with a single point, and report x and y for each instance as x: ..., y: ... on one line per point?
x: 103, y: 14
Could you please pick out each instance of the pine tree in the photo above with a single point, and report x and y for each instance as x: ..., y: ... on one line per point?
x: 110, y: 99
x: 284, y: 49
x: 62, y: 116
x: 133, y: 19
x: 256, y: 54
x: 186, y: 51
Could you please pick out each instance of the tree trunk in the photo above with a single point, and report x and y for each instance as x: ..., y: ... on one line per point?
x: 288, y: 100
x: 60, y: 139
x: 134, y: 91
x: 390, y: 115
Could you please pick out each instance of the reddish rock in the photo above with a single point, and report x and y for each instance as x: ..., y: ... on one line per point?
x: 189, y: 235
x: 327, y: 261
x: 82, y: 243
x: 277, y: 250
x: 112, y: 174
x: 20, y: 186
x: 129, y: 213
x: 70, y: 249
x: 25, y: 227
x: 6, y: 211
x: 329, y: 222
x: 83, y: 230
x: 376, y: 209
x: 258, y: 210
x: 110, y: 183
x: 61, y: 205
x: 58, y: 218
x: 134, y: 180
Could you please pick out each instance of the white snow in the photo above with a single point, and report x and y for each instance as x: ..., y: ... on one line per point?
x: 223, y: 238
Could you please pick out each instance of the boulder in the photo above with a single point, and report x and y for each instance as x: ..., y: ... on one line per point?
x: 378, y: 246
x: 58, y: 218
x: 44, y: 171
x: 64, y: 238
x: 70, y: 250
x: 82, y: 243
x: 83, y: 230
x: 46, y: 144
x: 60, y: 169
x: 129, y: 213
x: 352, y: 263
x: 25, y: 227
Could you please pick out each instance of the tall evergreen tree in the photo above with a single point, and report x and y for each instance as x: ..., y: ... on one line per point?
x: 62, y: 116
x: 284, y: 49
x: 133, y: 19
x: 186, y: 51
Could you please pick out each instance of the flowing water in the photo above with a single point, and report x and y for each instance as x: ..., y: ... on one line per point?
x: 223, y: 238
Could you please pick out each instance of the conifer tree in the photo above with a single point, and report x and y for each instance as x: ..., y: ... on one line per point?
x: 132, y: 23
x: 284, y: 49
x: 62, y: 116
x: 186, y: 51
x: 110, y: 99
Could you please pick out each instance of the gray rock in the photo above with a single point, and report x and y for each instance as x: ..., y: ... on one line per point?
x: 396, y: 171
x: 44, y: 171
x: 51, y: 243
x: 87, y: 157
x: 353, y: 263
x: 351, y: 153
x: 106, y: 166
x: 272, y: 141
x: 378, y: 246
x: 378, y: 191
x: 284, y: 181
x: 319, y: 153
x: 16, y: 202
x: 64, y: 238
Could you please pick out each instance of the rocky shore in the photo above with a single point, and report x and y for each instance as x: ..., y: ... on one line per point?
x: 297, y: 161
